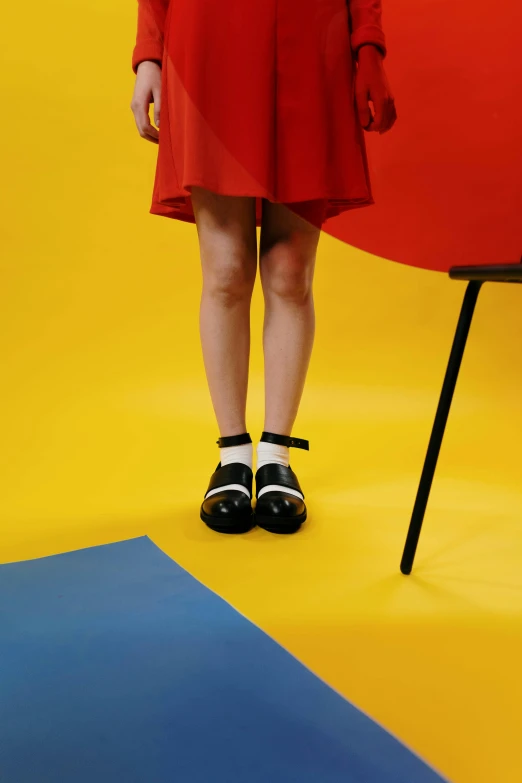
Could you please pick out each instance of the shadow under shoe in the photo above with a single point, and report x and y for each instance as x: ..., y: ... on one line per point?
x: 276, y: 510
x: 229, y: 510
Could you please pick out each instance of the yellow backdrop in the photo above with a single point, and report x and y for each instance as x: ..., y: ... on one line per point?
x: 106, y: 414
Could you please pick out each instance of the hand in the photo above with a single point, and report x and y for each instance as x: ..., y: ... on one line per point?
x: 147, y: 90
x: 372, y: 85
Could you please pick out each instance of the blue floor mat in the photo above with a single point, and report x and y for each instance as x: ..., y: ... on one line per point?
x: 117, y: 666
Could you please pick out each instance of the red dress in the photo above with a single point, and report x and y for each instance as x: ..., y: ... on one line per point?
x: 257, y: 99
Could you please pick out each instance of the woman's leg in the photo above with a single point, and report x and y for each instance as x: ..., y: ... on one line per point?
x: 226, y: 229
x: 286, y: 265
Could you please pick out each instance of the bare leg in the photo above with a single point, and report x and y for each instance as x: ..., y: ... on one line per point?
x: 227, y: 237
x: 287, y: 260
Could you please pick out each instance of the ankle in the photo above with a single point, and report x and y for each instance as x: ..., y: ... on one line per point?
x: 231, y: 451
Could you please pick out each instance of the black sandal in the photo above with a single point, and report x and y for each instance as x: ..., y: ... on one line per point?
x: 229, y: 510
x: 278, y: 511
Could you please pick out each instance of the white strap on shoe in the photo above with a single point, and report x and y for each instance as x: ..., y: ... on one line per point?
x: 227, y: 486
x: 279, y: 488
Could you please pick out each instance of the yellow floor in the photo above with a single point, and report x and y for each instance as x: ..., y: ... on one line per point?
x: 105, y: 409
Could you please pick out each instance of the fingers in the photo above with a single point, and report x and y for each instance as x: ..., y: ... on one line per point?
x: 381, y: 109
x: 156, y: 94
x: 148, y: 137
x: 385, y: 113
x: 363, y: 108
x: 140, y: 109
x: 393, y: 114
x: 148, y: 131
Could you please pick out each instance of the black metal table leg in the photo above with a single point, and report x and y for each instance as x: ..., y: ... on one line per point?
x: 439, y: 425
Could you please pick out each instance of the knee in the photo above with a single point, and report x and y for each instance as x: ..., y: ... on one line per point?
x: 287, y: 272
x: 230, y: 279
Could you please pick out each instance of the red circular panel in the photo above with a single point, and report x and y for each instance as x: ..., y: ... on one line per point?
x: 447, y: 179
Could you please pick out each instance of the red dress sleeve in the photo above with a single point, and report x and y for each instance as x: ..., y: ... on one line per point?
x: 150, y: 30
x: 365, y: 24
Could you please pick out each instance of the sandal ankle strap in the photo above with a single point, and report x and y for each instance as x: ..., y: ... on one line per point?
x: 234, y: 440
x: 285, y: 440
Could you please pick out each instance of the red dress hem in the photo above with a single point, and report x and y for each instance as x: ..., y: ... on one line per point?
x: 180, y: 208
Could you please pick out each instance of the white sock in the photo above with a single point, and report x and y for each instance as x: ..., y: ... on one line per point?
x: 228, y: 454
x: 273, y: 452
x: 243, y: 453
